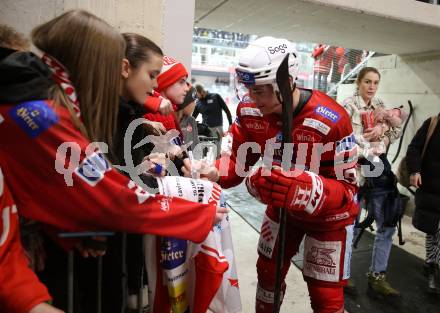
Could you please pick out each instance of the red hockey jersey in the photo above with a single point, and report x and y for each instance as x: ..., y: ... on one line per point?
x: 55, y: 180
x: 20, y: 289
x: 323, y: 143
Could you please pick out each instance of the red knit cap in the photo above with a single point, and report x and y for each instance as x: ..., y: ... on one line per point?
x: 171, y: 72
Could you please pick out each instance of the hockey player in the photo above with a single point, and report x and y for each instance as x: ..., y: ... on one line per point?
x: 319, y: 193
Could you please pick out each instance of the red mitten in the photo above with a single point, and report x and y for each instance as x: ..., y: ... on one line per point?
x: 303, y: 191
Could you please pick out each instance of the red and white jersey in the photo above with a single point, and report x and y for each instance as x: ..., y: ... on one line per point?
x: 20, y: 289
x: 187, y: 277
x: 323, y: 143
x: 58, y: 179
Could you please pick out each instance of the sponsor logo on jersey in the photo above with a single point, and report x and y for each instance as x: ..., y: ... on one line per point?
x: 250, y: 111
x: 256, y: 125
x: 92, y: 169
x: 268, y: 236
x: 301, y: 135
x: 173, y: 253
x: 327, y: 113
x: 1, y: 118
x: 318, y: 125
x: 322, y: 259
x: 34, y: 117
x: 337, y: 217
x: 347, y: 143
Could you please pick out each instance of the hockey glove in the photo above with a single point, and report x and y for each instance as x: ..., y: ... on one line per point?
x: 303, y: 191
x: 253, y: 183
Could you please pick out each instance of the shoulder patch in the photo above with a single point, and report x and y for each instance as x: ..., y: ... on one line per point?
x: 34, y: 117
x: 348, y: 143
x: 93, y: 168
x: 318, y: 125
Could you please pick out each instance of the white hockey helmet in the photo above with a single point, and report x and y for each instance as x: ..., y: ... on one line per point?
x: 259, y: 62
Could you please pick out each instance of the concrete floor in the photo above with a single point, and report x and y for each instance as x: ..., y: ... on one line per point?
x: 245, y: 247
x: 404, y: 266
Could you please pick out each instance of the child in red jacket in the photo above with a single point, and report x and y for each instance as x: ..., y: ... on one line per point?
x: 171, y: 91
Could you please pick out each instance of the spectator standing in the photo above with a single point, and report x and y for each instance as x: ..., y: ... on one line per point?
x: 211, y: 105
x: 425, y: 175
x: 379, y: 191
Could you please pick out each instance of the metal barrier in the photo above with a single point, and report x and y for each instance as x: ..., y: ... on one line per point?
x: 352, y: 74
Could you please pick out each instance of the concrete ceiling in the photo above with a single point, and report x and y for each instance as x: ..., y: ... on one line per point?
x: 316, y: 21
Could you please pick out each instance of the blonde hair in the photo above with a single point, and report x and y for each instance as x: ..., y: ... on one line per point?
x: 11, y: 39
x: 92, y: 52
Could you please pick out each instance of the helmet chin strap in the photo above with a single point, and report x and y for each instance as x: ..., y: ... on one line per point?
x: 277, y: 91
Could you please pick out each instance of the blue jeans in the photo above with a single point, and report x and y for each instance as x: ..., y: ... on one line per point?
x: 384, y: 235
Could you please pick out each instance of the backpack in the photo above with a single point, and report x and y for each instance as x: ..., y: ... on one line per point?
x: 402, y: 171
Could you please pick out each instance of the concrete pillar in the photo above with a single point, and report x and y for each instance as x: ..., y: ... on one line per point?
x: 169, y: 23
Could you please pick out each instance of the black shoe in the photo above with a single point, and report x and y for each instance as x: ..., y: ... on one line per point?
x: 425, y: 268
x: 433, y: 278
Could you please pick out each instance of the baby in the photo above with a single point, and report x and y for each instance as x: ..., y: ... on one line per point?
x: 377, y: 125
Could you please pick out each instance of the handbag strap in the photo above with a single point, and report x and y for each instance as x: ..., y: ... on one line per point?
x: 432, y: 125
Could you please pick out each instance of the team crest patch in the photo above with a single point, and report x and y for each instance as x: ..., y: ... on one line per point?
x: 268, y: 236
x: 318, y: 125
x: 327, y: 113
x: 92, y: 169
x: 322, y: 259
x: 34, y: 117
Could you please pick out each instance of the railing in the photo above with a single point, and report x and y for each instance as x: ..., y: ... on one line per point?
x: 352, y: 74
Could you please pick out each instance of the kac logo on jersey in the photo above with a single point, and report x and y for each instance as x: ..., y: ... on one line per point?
x: 34, y: 117
x: 92, y: 169
x: 327, y: 113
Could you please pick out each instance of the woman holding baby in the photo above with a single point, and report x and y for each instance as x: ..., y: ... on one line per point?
x: 374, y: 129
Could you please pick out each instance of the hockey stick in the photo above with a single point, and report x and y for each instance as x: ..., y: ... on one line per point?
x: 286, y: 99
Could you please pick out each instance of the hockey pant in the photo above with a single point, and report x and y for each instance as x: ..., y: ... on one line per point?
x: 327, y: 256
